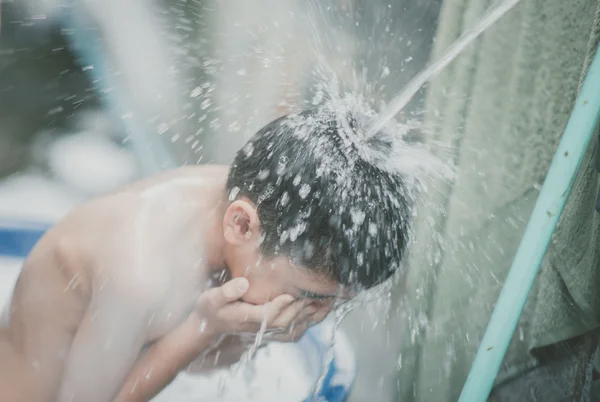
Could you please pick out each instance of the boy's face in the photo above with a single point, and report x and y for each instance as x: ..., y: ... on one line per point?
x: 272, y: 277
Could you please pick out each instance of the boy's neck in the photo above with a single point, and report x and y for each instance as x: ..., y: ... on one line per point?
x: 215, y: 241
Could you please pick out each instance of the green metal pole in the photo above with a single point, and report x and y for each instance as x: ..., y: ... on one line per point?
x: 550, y: 204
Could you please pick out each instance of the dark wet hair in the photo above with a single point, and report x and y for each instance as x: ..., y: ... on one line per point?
x: 324, y: 196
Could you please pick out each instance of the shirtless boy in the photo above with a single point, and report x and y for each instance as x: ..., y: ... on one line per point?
x: 117, y: 298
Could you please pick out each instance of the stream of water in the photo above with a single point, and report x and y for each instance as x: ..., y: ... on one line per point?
x: 490, y: 17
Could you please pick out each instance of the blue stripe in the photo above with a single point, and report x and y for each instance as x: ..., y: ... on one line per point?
x: 18, y: 242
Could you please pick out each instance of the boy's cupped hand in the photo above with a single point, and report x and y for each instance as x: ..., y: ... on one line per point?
x: 221, y: 313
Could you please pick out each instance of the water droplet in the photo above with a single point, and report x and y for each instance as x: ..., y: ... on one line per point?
x: 304, y: 191
x: 281, y: 165
x: 263, y: 174
x: 372, y: 229
x: 162, y: 128
x: 248, y: 150
x: 233, y: 193
x: 318, y: 98
x: 205, y: 104
x: 360, y: 258
x: 358, y: 216
x: 55, y: 110
x: 234, y: 127
x: 196, y: 92
x: 215, y: 124
x: 284, y: 236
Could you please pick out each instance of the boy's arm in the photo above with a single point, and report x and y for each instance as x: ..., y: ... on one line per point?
x: 228, y: 352
x: 176, y: 350
x: 164, y: 360
x: 107, y: 344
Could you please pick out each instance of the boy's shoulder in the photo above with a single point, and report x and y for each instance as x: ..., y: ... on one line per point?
x: 198, y: 172
x: 101, y: 237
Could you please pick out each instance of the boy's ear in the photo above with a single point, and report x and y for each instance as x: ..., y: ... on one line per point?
x: 241, y: 223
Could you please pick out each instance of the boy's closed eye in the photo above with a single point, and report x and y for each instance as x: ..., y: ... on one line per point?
x: 307, y: 294
x: 321, y: 300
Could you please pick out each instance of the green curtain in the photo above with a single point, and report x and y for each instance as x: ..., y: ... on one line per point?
x: 501, y: 107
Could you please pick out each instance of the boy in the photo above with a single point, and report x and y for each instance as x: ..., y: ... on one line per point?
x: 117, y: 297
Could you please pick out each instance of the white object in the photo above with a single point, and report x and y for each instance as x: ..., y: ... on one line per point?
x: 91, y: 163
x: 33, y: 198
x: 278, y: 373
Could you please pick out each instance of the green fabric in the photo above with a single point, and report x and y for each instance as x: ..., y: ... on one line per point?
x: 502, y: 105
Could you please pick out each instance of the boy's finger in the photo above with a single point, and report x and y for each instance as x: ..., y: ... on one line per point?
x: 281, y: 302
x: 290, y: 314
x: 270, y: 311
x: 227, y: 293
x: 319, y: 315
x: 247, y: 314
x: 291, y: 335
x: 234, y: 289
x: 305, y: 314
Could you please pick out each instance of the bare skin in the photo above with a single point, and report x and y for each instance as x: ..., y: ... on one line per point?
x: 114, y: 300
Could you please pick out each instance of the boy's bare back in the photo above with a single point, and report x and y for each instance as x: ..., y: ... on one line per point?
x: 120, y: 271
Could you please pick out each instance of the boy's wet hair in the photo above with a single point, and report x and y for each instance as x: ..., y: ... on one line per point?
x: 324, y: 196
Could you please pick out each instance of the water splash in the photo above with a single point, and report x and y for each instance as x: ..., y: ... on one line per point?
x: 489, y: 18
x: 339, y: 314
x: 414, y: 160
x: 258, y: 342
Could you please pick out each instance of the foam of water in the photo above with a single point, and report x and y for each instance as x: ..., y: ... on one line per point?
x: 415, y: 161
x: 277, y: 370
